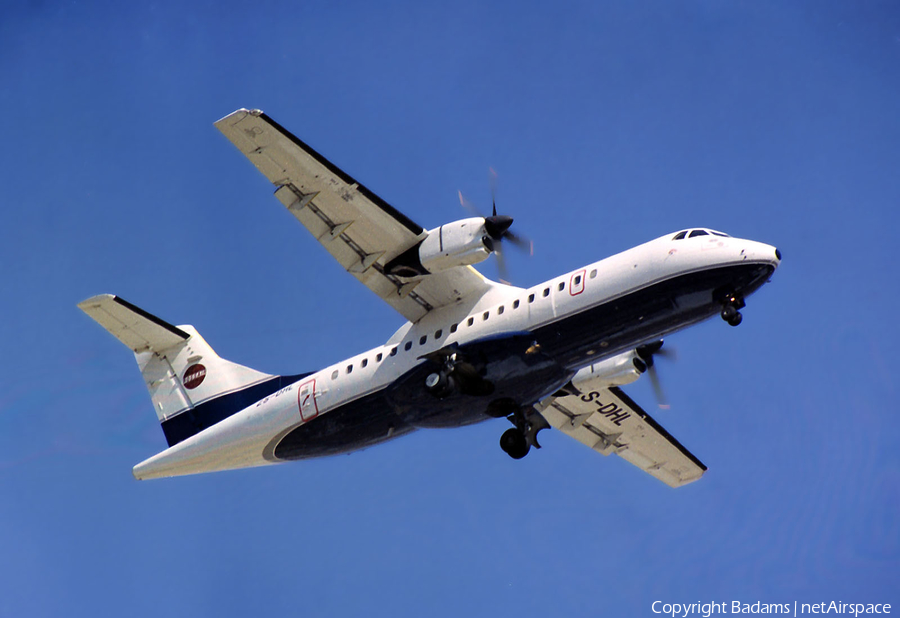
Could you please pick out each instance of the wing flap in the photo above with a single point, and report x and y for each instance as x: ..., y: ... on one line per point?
x: 609, y: 421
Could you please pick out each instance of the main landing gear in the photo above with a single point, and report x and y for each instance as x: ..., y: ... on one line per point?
x: 730, y: 311
x: 516, y: 442
x: 440, y: 383
x: 455, y: 375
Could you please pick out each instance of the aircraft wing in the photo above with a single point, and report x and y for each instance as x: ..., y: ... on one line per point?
x: 609, y: 421
x: 361, y: 230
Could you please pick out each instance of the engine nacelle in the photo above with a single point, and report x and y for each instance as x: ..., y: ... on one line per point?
x: 616, y: 371
x: 460, y: 243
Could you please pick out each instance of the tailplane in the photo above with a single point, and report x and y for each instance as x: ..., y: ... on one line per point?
x: 191, y: 387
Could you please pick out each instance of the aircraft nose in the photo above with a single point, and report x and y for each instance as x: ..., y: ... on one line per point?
x: 768, y: 253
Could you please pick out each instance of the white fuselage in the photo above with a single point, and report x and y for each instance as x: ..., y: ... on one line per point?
x: 248, y: 438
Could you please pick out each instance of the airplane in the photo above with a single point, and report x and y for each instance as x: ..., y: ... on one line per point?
x: 552, y: 355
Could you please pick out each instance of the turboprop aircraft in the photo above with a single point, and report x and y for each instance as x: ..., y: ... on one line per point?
x: 552, y: 355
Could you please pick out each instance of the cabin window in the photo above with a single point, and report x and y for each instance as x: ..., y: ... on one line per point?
x: 594, y: 273
x: 562, y: 286
x: 334, y: 374
x: 546, y: 292
x: 531, y: 298
x: 515, y: 304
x: 485, y: 315
x: 423, y: 339
x: 470, y: 321
x: 698, y: 233
x: 378, y: 358
x: 453, y: 327
x: 364, y: 363
x: 679, y: 235
x: 349, y: 368
x: 408, y: 346
x: 500, y: 310
x: 438, y: 333
x: 394, y: 351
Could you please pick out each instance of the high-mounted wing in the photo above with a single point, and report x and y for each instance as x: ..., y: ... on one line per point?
x: 362, y: 231
x: 609, y: 421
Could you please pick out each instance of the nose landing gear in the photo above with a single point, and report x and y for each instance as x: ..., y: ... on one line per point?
x: 730, y: 311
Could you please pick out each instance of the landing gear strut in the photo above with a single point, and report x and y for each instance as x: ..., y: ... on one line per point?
x: 730, y: 311
x: 516, y: 442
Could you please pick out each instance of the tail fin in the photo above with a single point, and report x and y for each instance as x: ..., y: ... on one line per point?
x: 192, y: 388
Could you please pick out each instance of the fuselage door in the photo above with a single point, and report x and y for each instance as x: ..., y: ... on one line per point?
x: 306, y: 399
x: 576, y: 283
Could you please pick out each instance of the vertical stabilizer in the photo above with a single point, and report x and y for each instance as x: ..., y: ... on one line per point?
x: 191, y: 387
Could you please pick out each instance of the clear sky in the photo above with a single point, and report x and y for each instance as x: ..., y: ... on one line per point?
x: 609, y: 123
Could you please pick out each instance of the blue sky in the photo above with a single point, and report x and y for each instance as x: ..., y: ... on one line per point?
x: 609, y: 123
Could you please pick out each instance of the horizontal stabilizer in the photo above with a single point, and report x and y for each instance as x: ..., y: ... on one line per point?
x: 137, y: 329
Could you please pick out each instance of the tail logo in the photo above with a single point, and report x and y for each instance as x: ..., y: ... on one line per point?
x: 194, y: 376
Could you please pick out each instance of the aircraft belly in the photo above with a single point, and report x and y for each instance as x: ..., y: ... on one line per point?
x: 491, y: 377
x: 649, y: 313
x: 514, y: 377
x: 355, y: 425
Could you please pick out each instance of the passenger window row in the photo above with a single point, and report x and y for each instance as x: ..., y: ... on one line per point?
x: 470, y: 321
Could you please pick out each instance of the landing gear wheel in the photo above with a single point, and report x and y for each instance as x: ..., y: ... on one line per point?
x: 514, y: 444
x: 731, y: 315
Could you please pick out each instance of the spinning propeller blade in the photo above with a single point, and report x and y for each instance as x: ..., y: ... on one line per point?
x: 647, y: 352
x: 497, y: 228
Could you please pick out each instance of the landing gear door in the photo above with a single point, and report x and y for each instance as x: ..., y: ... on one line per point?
x: 306, y: 399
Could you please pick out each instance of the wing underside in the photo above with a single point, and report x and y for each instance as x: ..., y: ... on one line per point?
x: 358, y: 228
x: 609, y: 421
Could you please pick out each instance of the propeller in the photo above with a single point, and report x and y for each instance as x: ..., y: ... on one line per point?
x: 497, y: 227
x: 646, y: 353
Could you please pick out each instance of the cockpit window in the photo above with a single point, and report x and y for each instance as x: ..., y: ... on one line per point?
x: 719, y: 233
x: 679, y: 235
x: 698, y: 233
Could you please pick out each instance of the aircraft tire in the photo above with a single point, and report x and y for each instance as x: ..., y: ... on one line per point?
x: 728, y: 313
x: 514, y: 444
